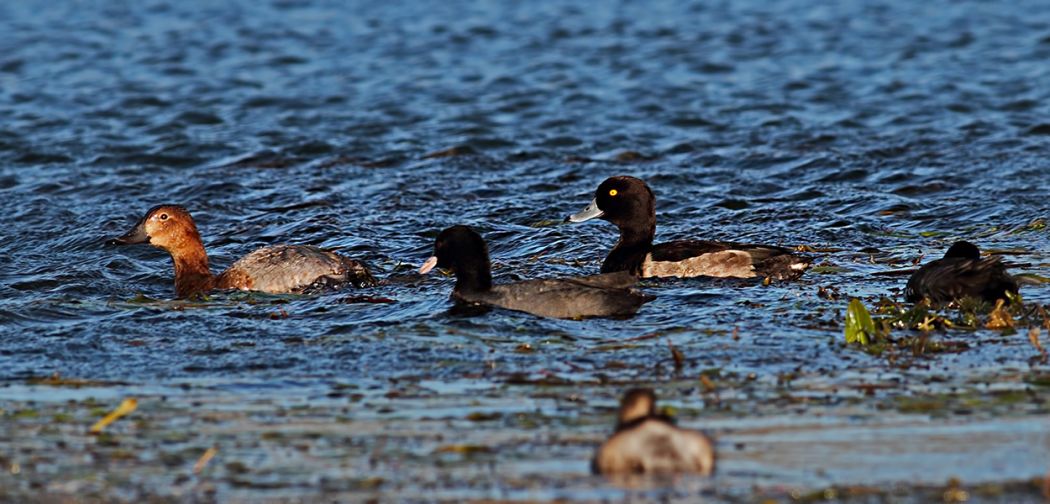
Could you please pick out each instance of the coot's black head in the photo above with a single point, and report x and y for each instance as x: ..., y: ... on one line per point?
x: 636, y: 404
x: 464, y: 252
x: 963, y: 250
x: 624, y: 201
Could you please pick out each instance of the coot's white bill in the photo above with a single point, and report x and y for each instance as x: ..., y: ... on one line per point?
x: 429, y: 265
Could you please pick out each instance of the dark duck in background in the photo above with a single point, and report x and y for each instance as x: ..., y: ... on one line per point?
x: 646, y: 442
x: 961, y: 273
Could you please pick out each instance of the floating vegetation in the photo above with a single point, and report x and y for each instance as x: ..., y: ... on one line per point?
x: 205, y: 458
x: 676, y: 356
x: 126, y: 407
x: 1032, y: 278
x: 1033, y: 338
x: 1038, y: 224
x: 56, y: 380
x: 999, y: 318
x: 874, y: 333
x: 860, y: 328
x: 463, y: 449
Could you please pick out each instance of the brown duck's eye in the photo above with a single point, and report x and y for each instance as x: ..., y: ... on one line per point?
x: 163, y: 216
x: 613, y: 192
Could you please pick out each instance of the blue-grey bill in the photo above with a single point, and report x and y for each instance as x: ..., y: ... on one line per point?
x: 591, y: 212
x: 136, y: 234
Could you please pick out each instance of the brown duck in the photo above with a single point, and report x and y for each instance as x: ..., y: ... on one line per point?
x: 278, y: 269
x: 646, y: 442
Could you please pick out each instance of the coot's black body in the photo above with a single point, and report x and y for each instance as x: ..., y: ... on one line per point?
x: 463, y: 251
x: 960, y: 273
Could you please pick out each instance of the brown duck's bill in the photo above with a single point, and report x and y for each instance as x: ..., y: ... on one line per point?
x: 428, y: 265
x: 591, y: 212
x: 135, y: 235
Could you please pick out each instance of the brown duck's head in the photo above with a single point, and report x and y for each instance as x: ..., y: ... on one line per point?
x: 636, y: 404
x: 167, y: 227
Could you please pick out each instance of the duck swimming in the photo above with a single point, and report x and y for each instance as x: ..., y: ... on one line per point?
x: 276, y: 270
x: 463, y: 251
x: 628, y: 203
x: 960, y: 273
x: 647, y: 442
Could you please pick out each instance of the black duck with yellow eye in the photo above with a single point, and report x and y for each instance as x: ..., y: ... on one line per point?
x: 629, y: 203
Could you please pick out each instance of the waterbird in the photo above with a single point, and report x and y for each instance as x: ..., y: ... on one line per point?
x: 629, y: 203
x: 463, y: 251
x: 961, y: 273
x: 276, y: 269
x: 647, y: 442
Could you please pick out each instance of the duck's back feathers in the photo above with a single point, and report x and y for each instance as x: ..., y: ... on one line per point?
x: 293, y: 269
x: 654, y: 446
x: 680, y: 250
x: 951, y: 278
x: 689, y: 258
x: 607, y: 295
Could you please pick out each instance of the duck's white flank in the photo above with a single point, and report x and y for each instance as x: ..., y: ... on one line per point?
x: 727, y: 263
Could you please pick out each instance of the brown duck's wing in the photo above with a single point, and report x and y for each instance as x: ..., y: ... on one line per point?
x: 954, y: 278
x: 655, y: 447
x: 293, y: 269
x: 565, y: 298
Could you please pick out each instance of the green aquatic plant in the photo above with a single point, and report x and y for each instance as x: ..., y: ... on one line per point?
x: 1038, y: 224
x: 932, y: 234
x: 872, y: 331
x: 860, y: 328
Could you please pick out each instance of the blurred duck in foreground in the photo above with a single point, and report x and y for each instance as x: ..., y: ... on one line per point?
x: 276, y: 270
x: 961, y: 273
x: 464, y: 252
x: 646, y: 442
x: 628, y: 203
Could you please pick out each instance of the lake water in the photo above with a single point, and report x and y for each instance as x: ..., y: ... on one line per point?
x: 875, y: 132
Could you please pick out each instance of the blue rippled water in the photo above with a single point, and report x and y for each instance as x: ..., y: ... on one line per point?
x: 882, y: 130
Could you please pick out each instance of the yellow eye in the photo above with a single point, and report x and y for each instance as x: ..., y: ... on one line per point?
x: 613, y: 192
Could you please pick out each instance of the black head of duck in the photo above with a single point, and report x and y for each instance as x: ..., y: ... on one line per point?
x: 646, y: 442
x: 276, y: 269
x: 961, y: 273
x: 629, y: 203
x: 462, y: 251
